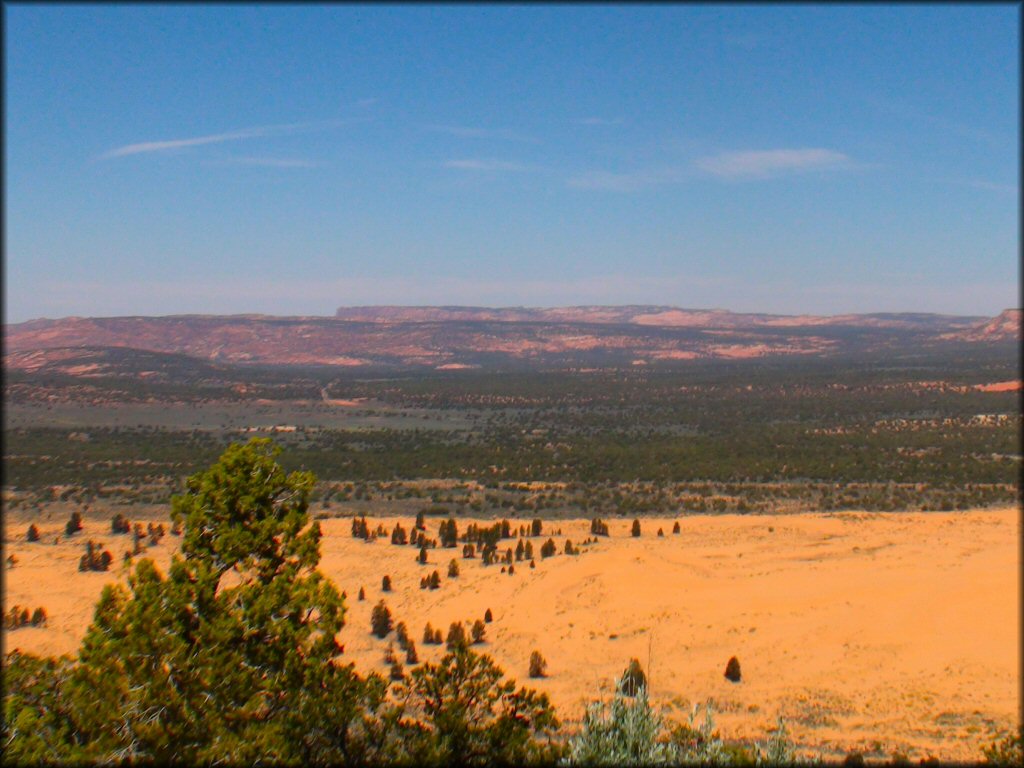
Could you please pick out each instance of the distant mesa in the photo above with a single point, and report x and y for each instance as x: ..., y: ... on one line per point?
x: 452, y: 338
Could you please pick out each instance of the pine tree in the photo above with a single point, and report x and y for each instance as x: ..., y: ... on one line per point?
x: 73, y: 525
x: 478, y: 631
x: 538, y: 666
x: 380, y: 620
x: 410, y: 653
x: 732, y: 670
x: 428, y: 634
x: 456, y: 637
x: 633, y: 679
x: 535, y: 527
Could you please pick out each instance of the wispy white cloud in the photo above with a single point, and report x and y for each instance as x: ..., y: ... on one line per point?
x: 218, y: 138
x: 629, y: 181
x: 469, y: 132
x: 268, y: 162
x: 995, y: 187
x: 771, y: 162
x: 479, y: 164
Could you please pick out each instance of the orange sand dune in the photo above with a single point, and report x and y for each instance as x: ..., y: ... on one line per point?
x: 862, y: 629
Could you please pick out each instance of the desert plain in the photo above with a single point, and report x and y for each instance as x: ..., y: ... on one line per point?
x: 870, y: 632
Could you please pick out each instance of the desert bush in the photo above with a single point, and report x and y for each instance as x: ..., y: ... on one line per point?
x: 625, y: 732
x: 424, y: 581
x: 410, y: 653
x: 428, y: 634
x: 520, y: 549
x: 569, y: 548
x: 548, y: 548
x: 732, y: 670
x: 538, y: 666
x: 33, y: 533
x: 661, y: 533
x: 635, y: 530
x: 380, y: 620
x: 402, y: 635
x: 422, y: 557
x: 511, y: 570
x: 533, y: 563
x: 528, y: 551
x: 120, y: 524
x: 73, y: 525
x: 362, y: 594
x: 38, y: 618
x: 456, y: 637
x: 777, y: 750
x: 478, y: 631
x: 633, y: 679
x: 488, y: 616
x: 398, y: 535
x: 95, y: 558
x: 434, y: 582
x: 503, y: 569
x: 385, y: 584
x: 468, y: 551
x: 675, y: 527
x: 1006, y: 749
x: 453, y: 569
x: 421, y: 523
x: 389, y: 654
x: 438, y: 637
x: 598, y: 527
x: 535, y: 527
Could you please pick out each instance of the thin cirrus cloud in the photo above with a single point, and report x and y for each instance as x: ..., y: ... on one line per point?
x: 484, y: 165
x: 217, y: 138
x: 469, y: 132
x: 629, y: 181
x: 763, y: 164
x: 269, y: 162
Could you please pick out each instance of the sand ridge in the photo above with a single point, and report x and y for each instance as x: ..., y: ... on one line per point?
x: 865, y: 630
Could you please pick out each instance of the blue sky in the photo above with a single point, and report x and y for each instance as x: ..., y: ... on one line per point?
x: 288, y: 160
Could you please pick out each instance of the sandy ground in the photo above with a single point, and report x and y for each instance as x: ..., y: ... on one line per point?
x: 868, y: 631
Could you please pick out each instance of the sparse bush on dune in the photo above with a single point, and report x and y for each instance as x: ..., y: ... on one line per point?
x: 1006, y: 750
x: 538, y: 666
x: 453, y: 569
x: 428, y: 634
x: 675, y: 527
x: 120, y: 524
x: 411, y: 656
x: 380, y: 620
x: 456, y: 637
x: 488, y: 616
x: 732, y: 670
x: 73, y: 525
x: 32, y: 534
x: 95, y: 558
x: 362, y: 593
x: 385, y: 584
x: 633, y: 679
x: 478, y: 631
x: 635, y: 530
